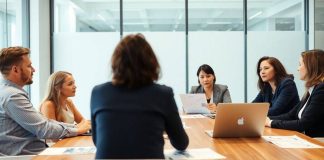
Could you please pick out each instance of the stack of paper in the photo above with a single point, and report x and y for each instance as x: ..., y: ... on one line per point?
x: 185, y: 116
x: 68, y: 150
x: 290, y: 142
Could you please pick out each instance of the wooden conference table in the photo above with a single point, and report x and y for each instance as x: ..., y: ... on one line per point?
x: 231, y: 148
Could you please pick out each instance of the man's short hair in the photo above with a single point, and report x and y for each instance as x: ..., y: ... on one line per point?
x: 11, y: 56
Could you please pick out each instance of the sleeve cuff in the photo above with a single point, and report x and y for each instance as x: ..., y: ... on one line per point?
x: 72, y: 132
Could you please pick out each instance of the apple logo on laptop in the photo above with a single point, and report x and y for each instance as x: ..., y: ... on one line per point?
x: 240, y: 121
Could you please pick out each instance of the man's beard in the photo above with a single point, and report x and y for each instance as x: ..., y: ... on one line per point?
x: 25, y: 79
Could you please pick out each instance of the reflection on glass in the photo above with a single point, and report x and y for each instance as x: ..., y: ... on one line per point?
x: 319, y: 24
x: 163, y: 25
x: 216, y: 38
x: 154, y: 16
x: 274, y: 15
x: 275, y: 28
x: 8, y: 23
x: 86, y: 16
x: 206, y: 15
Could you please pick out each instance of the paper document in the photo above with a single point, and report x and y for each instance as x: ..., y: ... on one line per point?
x: 21, y: 157
x: 201, y: 153
x: 192, y: 116
x: 68, y: 150
x: 290, y: 142
x: 194, y: 103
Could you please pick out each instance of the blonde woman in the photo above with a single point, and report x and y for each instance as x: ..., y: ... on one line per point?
x: 56, y: 104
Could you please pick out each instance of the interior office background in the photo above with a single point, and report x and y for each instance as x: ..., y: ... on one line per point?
x: 79, y: 36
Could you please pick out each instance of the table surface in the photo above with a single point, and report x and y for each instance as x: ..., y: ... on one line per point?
x: 231, y: 148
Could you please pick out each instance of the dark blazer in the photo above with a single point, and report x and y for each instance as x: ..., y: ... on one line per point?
x: 129, y: 123
x: 312, y: 118
x: 284, y: 98
x: 220, y: 93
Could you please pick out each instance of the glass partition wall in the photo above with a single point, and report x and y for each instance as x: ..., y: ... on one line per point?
x: 14, y: 24
x: 14, y: 27
x: 274, y: 28
x: 163, y: 25
x: 85, y: 35
x: 319, y: 24
x: 213, y: 25
x: 184, y: 34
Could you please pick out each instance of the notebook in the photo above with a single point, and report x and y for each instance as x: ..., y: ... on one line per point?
x: 239, y: 120
x: 194, y: 103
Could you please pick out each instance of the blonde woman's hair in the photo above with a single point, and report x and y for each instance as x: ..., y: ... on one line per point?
x: 53, y: 91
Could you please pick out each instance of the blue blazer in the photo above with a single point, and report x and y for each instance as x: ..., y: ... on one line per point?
x: 312, y: 119
x: 220, y: 93
x: 284, y: 98
x: 129, y: 123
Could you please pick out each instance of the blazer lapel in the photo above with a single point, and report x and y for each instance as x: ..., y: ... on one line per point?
x: 216, y: 94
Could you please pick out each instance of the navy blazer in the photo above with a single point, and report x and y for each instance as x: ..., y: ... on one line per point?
x: 312, y: 118
x: 129, y: 123
x: 220, y: 93
x: 284, y: 98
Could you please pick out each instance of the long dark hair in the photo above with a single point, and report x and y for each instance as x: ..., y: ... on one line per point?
x: 279, y: 69
x: 207, y: 69
x: 134, y: 63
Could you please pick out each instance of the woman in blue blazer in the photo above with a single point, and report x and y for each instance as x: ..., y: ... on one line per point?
x: 276, y: 86
x: 130, y: 114
x: 308, y: 116
x: 215, y: 93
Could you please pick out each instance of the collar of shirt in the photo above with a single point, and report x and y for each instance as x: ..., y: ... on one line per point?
x: 7, y: 82
x: 310, y: 90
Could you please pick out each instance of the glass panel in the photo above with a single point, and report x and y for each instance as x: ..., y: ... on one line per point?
x: 206, y: 15
x: 154, y: 15
x: 169, y: 48
x: 89, y: 63
x: 319, y: 24
x: 76, y: 45
x: 275, y: 15
x: 272, y: 32
x: 87, y: 16
x: 13, y: 26
x: 162, y: 23
x: 213, y: 25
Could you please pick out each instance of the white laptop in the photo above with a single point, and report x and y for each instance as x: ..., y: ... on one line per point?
x: 194, y: 103
x: 239, y: 120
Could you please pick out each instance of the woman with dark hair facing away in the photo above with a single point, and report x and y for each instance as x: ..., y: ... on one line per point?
x: 308, y: 116
x: 277, y: 87
x: 130, y: 113
x: 215, y: 93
